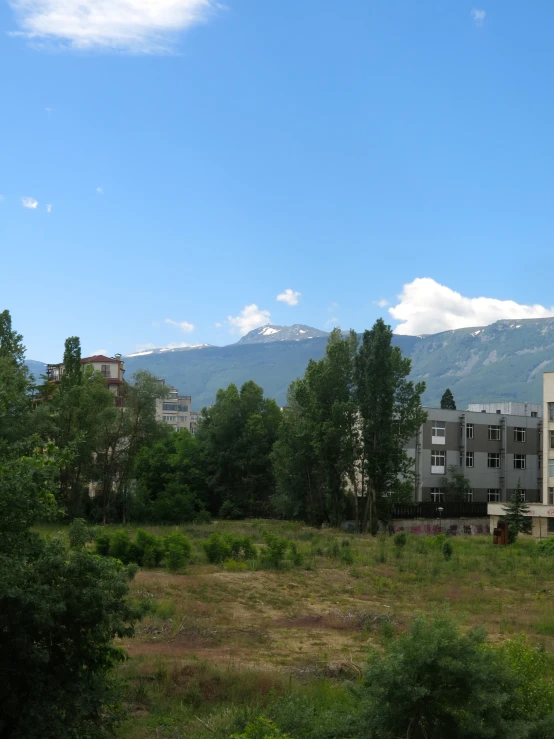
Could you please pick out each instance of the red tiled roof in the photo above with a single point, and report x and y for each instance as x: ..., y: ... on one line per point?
x: 99, y: 358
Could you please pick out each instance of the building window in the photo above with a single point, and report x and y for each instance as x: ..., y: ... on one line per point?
x: 551, y: 411
x: 169, y: 407
x: 551, y: 468
x: 550, y: 496
x: 439, y: 432
x: 469, y: 430
x: 519, y: 461
x: 550, y: 526
x: 106, y: 370
x: 522, y: 494
x: 183, y: 408
x: 170, y: 419
x: 469, y: 459
x: 552, y: 439
x: 493, y: 495
x: 468, y: 497
x: 519, y: 433
x: 494, y: 433
x: 437, y: 495
x: 438, y: 462
x: 493, y: 460
x: 534, y: 414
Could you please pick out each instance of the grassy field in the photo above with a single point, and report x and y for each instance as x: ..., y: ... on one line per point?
x: 224, y: 642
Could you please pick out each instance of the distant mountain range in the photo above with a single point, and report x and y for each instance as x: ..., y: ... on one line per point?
x: 503, y: 361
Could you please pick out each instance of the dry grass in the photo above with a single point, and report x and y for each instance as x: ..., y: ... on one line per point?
x: 216, y: 640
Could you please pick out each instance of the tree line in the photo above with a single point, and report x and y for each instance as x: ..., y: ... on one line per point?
x: 335, y: 451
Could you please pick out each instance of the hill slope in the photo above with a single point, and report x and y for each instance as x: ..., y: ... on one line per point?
x: 503, y: 361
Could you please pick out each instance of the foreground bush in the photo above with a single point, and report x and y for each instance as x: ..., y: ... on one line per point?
x: 221, y: 547
x: 436, y: 683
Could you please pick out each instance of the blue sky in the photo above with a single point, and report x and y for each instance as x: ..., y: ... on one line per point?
x: 200, y: 159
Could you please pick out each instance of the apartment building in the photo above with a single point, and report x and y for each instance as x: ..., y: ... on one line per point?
x: 494, y: 450
x: 174, y: 410
x: 111, y: 368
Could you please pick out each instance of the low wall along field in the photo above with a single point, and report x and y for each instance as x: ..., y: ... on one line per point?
x: 452, y: 526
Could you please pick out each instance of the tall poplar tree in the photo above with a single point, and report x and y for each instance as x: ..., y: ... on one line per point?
x: 390, y: 414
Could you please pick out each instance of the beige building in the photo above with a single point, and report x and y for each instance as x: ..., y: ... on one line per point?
x: 542, y: 512
x: 174, y: 410
x: 111, y: 368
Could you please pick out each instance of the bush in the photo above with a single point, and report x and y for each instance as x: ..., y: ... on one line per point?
x: 102, y: 544
x: 231, y: 565
x: 203, y: 517
x: 230, y: 511
x: 435, y: 682
x: 80, y: 533
x: 447, y: 550
x: 274, y: 551
x: 261, y: 728
x: 149, y: 550
x: 120, y: 543
x: 347, y: 556
x: 217, y: 550
x: 400, y: 539
x: 177, y: 551
x: 546, y: 547
x: 295, y: 555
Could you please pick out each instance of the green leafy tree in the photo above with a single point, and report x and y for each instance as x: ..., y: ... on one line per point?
x: 390, y: 414
x: 236, y: 436
x: 59, y: 613
x: 447, y: 400
x: 434, y: 682
x: 317, y: 455
x: 456, y: 485
x: 518, y: 515
x: 15, y: 386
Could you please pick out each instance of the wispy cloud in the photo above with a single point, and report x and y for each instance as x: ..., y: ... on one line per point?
x: 29, y: 203
x: 100, y: 190
x: 185, y: 326
x: 99, y: 351
x: 289, y: 297
x: 249, y: 318
x: 49, y: 208
x: 137, y: 26
x: 427, y: 307
x: 382, y: 303
x: 332, y: 321
x: 478, y: 17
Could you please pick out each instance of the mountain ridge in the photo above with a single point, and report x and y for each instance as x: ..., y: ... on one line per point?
x: 502, y: 361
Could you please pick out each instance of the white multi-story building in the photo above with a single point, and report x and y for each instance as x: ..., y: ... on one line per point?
x: 174, y: 410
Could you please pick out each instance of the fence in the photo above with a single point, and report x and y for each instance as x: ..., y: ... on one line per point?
x: 429, y: 509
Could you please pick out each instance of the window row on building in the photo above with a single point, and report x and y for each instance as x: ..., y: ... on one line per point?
x: 438, y: 433
x: 493, y: 495
x: 438, y: 461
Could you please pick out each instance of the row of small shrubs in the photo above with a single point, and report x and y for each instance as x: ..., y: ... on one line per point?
x: 227, y: 548
x: 145, y: 550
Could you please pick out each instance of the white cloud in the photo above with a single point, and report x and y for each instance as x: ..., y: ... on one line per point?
x: 289, y: 297
x: 249, y: 318
x: 478, y: 17
x: 145, y: 347
x: 144, y: 26
x: 185, y: 326
x: 382, y: 303
x: 332, y: 321
x: 49, y: 208
x: 426, y: 307
x: 29, y: 203
x: 99, y: 351
x: 100, y: 190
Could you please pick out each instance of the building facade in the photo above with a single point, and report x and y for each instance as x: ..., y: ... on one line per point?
x: 548, y: 438
x: 495, y: 451
x: 111, y: 368
x: 174, y: 410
